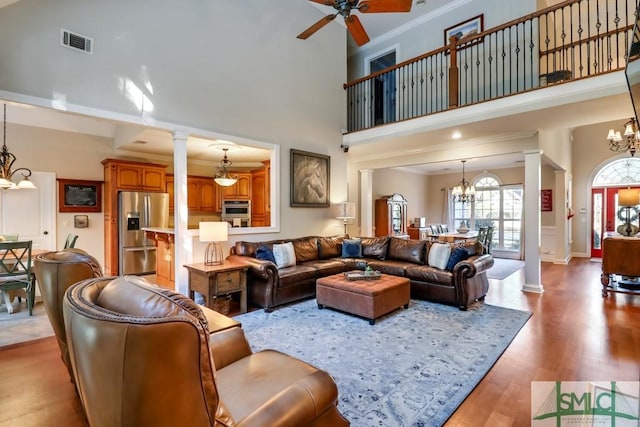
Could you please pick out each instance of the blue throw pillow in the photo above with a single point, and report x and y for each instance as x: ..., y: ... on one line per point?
x: 264, y: 253
x: 457, y: 255
x: 351, y: 248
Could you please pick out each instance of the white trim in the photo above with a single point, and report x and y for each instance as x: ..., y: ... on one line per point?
x: 379, y: 54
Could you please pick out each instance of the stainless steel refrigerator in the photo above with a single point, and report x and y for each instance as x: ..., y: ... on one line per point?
x: 137, y: 254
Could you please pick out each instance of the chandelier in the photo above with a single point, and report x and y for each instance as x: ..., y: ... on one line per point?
x: 7, y: 160
x: 464, y: 192
x: 629, y: 142
x: 223, y: 178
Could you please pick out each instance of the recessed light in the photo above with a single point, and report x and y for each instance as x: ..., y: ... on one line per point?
x: 456, y: 135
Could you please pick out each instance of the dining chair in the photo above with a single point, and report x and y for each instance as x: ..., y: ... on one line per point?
x: 71, y: 241
x: 445, y: 228
x: 15, y: 272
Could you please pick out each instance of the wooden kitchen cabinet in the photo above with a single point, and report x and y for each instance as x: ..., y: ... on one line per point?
x: 136, y: 176
x: 201, y: 193
x: 260, y: 197
x: 240, y: 190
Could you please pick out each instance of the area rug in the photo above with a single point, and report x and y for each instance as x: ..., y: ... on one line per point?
x: 503, y: 268
x: 414, y: 367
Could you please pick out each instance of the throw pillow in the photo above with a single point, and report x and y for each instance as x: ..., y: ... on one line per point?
x: 284, y: 255
x: 351, y: 248
x: 439, y: 255
x: 265, y: 253
x: 458, y: 254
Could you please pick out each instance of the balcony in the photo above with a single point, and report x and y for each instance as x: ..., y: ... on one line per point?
x: 574, y: 40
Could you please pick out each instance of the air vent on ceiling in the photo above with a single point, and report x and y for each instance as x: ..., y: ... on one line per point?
x: 76, y: 41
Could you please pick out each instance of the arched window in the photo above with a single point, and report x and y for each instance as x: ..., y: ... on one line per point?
x: 496, y: 205
x: 624, y: 171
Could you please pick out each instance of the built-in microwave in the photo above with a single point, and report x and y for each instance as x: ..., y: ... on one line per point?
x: 237, y: 212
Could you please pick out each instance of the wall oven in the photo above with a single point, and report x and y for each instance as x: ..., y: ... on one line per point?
x: 237, y: 212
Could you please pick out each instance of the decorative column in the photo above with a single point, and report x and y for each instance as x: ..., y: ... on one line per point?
x: 532, y: 161
x: 366, y: 202
x: 183, y: 240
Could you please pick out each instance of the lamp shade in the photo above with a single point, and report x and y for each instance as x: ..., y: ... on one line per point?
x: 214, y: 231
x: 346, y: 210
x: 628, y: 197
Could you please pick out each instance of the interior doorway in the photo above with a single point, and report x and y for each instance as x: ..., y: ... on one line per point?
x: 384, y: 89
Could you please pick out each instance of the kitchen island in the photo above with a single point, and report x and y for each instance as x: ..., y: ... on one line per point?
x: 164, y: 240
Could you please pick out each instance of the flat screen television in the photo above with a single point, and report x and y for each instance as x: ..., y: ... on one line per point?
x: 632, y: 70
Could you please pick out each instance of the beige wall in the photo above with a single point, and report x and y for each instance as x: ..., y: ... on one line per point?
x: 590, y: 152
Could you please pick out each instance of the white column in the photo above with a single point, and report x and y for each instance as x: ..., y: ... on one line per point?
x: 366, y: 202
x: 183, y: 240
x: 532, y: 221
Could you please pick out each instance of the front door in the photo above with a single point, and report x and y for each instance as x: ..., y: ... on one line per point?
x: 31, y: 213
x: 607, y: 215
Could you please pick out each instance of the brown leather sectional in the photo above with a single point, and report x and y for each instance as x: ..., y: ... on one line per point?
x: 269, y: 287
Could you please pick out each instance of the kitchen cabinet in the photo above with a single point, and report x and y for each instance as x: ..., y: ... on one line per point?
x: 201, y: 194
x: 136, y: 176
x: 391, y: 216
x: 240, y: 190
x: 124, y: 175
x: 260, y: 196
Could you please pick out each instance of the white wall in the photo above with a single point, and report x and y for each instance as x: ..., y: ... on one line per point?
x: 224, y: 66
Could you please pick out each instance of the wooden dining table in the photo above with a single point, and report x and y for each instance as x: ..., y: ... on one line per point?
x: 455, y: 237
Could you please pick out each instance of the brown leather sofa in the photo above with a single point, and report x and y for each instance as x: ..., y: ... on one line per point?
x: 269, y: 287
x: 143, y: 356
x: 55, y: 272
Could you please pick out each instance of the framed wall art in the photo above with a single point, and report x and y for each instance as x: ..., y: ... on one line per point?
x: 464, y: 29
x: 76, y: 195
x: 309, y: 179
x: 546, y: 200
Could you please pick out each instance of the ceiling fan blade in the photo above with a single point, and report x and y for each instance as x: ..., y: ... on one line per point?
x: 315, y: 27
x: 325, y: 2
x: 356, y: 29
x: 381, y: 6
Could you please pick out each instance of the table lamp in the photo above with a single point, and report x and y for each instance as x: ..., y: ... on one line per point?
x: 628, y: 198
x: 214, y: 233
x: 346, y: 211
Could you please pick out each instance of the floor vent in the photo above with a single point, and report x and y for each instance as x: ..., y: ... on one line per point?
x: 76, y: 41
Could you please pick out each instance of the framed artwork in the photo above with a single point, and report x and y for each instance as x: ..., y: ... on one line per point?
x: 81, y: 221
x: 76, y: 195
x: 309, y: 179
x: 464, y: 29
x: 546, y: 200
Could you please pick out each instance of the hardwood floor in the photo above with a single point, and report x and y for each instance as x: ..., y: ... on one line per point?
x: 574, y: 334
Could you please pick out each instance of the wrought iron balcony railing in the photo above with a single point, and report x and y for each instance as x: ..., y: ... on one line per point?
x: 573, y: 40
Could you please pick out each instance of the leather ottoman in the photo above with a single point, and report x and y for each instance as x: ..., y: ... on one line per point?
x: 366, y: 298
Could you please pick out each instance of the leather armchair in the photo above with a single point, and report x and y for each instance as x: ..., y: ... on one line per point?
x: 143, y: 356
x: 55, y: 272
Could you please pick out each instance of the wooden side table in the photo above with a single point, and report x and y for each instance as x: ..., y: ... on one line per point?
x: 216, y: 280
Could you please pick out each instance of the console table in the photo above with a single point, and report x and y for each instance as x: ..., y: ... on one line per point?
x: 619, y: 257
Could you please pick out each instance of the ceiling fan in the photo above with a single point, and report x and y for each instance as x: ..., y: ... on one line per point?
x: 344, y: 8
